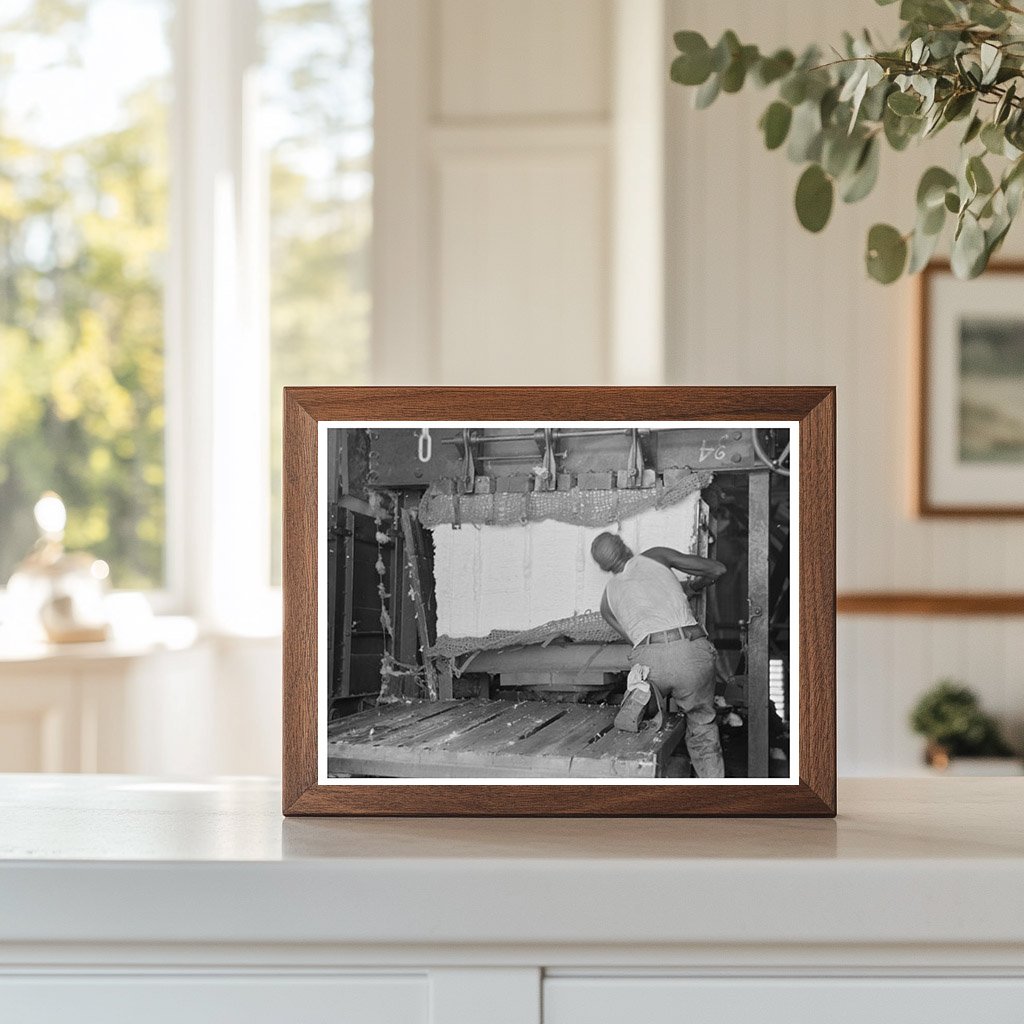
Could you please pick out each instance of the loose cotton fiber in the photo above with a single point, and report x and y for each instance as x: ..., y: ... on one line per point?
x: 517, y: 577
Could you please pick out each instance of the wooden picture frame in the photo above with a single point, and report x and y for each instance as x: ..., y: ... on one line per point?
x: 942, y: 488
x: 811, y: 410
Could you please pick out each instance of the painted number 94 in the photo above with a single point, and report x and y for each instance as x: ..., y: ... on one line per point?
x: 710, y: 451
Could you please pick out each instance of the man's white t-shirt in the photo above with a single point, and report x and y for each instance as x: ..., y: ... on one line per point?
x: 647, y: 597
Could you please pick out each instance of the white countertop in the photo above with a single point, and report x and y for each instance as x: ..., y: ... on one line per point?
x: 122, y: 859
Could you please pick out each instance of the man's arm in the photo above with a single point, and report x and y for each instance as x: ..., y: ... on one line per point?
x: 609, y: 616
x: 707, y: 570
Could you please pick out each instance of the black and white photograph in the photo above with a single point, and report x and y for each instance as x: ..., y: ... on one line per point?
x: 558, y: 601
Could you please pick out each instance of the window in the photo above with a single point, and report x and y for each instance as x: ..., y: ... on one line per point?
x: 237, y: 212
x: 83, y: 236
x: 317, y: 117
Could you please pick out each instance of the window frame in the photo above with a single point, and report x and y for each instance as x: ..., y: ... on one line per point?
x: 217, y: 350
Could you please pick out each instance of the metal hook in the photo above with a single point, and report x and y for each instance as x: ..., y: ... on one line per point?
x: 425, y: 446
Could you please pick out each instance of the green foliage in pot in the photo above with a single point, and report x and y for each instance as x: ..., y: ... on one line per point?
x: 950, y: 717
x: 957, y: 62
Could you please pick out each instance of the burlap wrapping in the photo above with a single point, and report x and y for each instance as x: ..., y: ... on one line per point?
x: 583, y: 508
x: 587, y: 627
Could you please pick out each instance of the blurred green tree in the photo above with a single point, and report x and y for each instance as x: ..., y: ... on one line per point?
x: 82, y: 233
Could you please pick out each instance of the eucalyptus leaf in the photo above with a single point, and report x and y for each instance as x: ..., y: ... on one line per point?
x: 968, y: 248
x: 978, y: 176
x: 932, y: 221
x: 987, y: 15
x: 814, y: 195
x: 724, y: 51
x: 794, y: 88
x: 805, y: 133
x: 900, y: 130
x: 828, y: 104
x: 931, y: 190
x: 1013, y: 187
x: 775, y: 124
x: 886, y: 253
x: 873, y: 106
x: 865, y: 173
x: 991, y: 60
x: 840, y: 152
x: 735, y: 74
x: 925, y: 88
x: 922, y: 248
x: 943, y: 44
x: 929, y: 12
x: 995, y: 233
x: 707, y: 93
x: 952, y: 202
x: 958, y: 105
x: 993, y: 138
x: 1005, y: 105
x: 1014, y: 192
x: 973, y: 129
x: 771, y: 69
x: 904, y: 103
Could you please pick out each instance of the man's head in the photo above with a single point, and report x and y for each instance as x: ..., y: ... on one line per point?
x: 610, y: 552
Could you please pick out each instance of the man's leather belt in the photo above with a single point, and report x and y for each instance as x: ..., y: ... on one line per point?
x: 667, y: 636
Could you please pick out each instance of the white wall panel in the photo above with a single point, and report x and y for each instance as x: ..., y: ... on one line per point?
x: 754, y: 299
x: 493, y: 200
x: 522, y: 278
x: 529, y: 58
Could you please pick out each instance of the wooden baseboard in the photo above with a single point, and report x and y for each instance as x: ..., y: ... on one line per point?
x: 928, y: 603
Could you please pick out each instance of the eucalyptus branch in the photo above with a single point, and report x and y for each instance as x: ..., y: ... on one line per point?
x: 954, y: 58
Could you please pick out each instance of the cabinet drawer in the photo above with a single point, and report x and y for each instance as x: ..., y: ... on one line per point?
x: 624, y: 1000
x: 223, y: 999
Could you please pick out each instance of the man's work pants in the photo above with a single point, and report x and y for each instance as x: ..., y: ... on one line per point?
x: 685, y: 669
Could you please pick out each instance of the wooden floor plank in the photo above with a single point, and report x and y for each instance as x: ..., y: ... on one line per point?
x: 449, y: 716
x: 442, y: 730
x: 386, y: 717
x: 619, y: 745
x: 581, y: 724
x: 515, y: 723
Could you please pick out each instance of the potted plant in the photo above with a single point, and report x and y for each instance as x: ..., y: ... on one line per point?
x: 956, y: 62
x: 950, y: 718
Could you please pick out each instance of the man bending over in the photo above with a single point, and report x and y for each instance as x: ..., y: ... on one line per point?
x: 646, y: 603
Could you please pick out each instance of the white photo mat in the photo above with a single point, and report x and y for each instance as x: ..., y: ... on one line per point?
x: 324, y: 779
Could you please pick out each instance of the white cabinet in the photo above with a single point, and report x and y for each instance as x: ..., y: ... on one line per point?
x: 205, y: 999
x: 824, y: 1000
x: 126, y: 899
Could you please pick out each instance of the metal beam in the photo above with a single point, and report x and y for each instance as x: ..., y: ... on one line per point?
x: 554, y: 658
x: 757, y: 626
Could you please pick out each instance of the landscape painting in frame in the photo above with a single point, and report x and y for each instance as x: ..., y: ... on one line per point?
x: 558, y: 602
x: 972, y: 393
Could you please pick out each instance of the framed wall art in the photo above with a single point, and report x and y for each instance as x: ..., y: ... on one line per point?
x: 970, y: 423
x: 559, y: 601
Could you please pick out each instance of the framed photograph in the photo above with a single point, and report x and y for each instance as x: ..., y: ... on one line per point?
x: 559, y: 601
x: 970, y: 444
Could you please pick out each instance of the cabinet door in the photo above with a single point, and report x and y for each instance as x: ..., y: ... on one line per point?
x: 205, y: 999
x: 624, y: 1000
